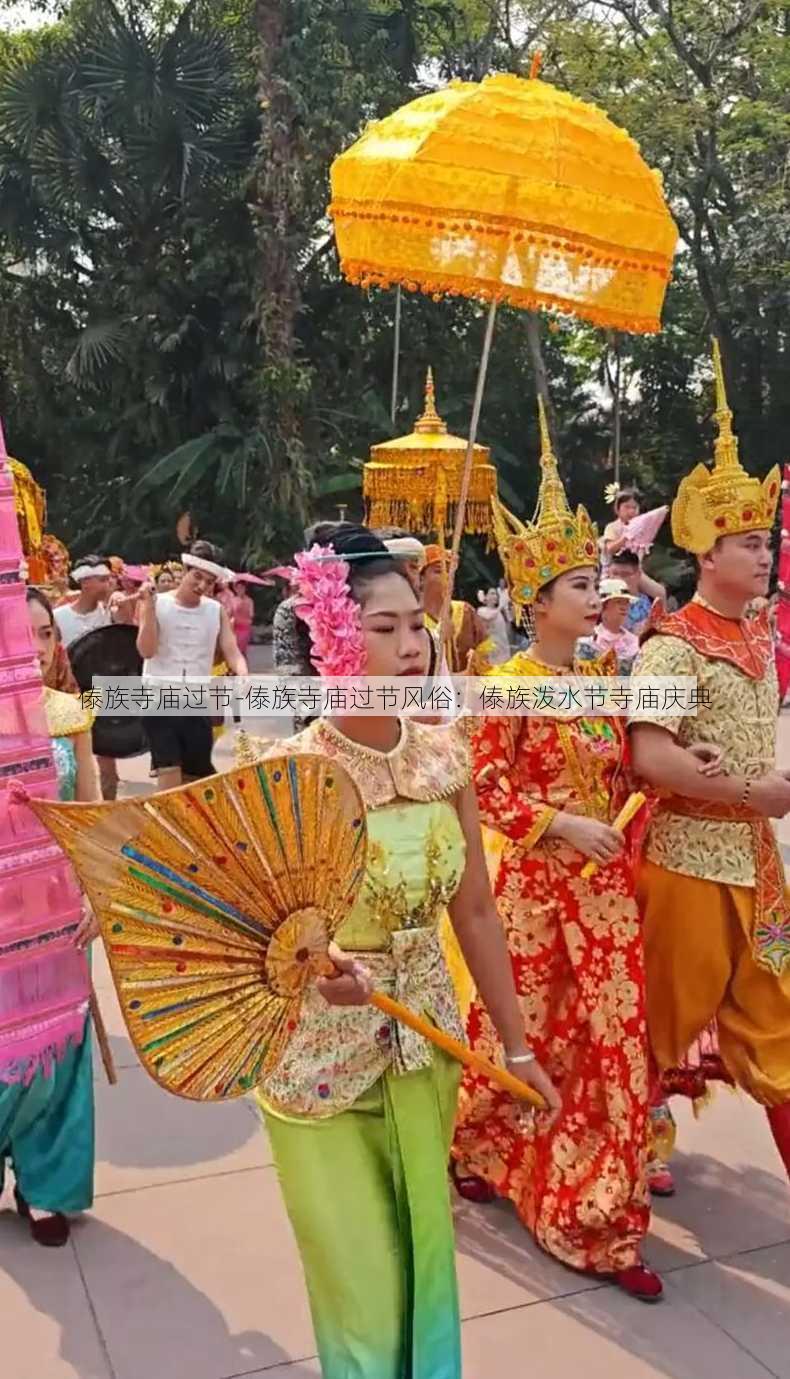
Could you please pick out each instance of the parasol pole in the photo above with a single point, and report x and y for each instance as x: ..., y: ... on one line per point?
x: 396, y: 354
x: 460, y: 516
x: 617, y: 405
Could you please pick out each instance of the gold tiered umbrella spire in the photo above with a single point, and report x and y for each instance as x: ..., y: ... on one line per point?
x: 415, y: 481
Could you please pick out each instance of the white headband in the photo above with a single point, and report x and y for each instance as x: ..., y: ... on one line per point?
x: 406, y: 548
x: 196, y: 562
x: 90, y: 572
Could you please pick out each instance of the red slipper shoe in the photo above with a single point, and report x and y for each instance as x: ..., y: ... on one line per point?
x: 641, y: 1283
x: 659, y: 1179
x: 51, y: 1231
x: 471, y: 1187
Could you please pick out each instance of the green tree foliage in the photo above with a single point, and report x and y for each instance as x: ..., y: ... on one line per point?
x: 173, y: 329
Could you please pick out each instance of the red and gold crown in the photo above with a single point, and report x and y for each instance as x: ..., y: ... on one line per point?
x: 724, y: 500
x: 554, y: 542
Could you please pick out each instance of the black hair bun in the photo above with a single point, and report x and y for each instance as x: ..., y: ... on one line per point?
x: 358, y: 541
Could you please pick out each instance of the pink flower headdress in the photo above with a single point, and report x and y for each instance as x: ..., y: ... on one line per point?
x: 319, y: 580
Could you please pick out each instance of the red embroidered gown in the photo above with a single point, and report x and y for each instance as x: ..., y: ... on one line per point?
x: 576, y: 949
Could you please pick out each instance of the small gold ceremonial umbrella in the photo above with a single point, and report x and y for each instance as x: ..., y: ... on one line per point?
x: 510, y: 191
x: 30, y: 501
x: 416, y: 481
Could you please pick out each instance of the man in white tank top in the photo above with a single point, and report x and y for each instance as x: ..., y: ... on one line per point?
x: 84, y: 614
x: 178, y: 639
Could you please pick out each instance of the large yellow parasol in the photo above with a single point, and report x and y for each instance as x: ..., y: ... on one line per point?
x: 509, y: 190
x: 506, y: 190
x: 416, y: 481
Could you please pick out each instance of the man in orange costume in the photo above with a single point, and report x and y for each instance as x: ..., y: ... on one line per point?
x: 716, y: 913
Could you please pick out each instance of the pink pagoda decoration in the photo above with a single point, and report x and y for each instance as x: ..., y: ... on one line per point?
x: 783, y: 602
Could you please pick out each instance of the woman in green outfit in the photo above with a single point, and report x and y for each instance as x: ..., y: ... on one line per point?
x: 360, y: 1111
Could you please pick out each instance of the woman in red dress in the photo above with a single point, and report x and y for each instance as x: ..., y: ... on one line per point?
x: 552, y: 786
x: 243, y: 611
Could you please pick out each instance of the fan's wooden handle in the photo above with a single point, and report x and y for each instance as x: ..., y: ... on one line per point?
x: 102, y: 1040
x: 500, y: 1076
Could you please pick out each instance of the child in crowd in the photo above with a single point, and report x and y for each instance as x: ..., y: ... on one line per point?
x: 612, y: 634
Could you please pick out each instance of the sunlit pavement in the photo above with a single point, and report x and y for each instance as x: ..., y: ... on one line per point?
x: 185, y: 1269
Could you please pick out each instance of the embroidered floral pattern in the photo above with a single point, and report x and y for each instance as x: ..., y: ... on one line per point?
x: 414, y: 866
x: 429, y: 763
x: 577, y: 959
x: 739, y: 715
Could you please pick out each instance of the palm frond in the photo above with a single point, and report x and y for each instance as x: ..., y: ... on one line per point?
x: 32, y: 97
x: 99, y: 345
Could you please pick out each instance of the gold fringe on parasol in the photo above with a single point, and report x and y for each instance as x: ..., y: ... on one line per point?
x: 507, y: 190
x: 31, y: 508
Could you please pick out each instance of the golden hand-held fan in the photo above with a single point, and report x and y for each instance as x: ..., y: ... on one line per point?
x: 217, y: 903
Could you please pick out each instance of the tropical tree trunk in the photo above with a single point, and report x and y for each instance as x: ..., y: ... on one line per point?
x: 277, y: 207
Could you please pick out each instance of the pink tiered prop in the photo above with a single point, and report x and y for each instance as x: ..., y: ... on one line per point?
x: 44, y: 980
x: 783, y: 608
x: 641, y: 531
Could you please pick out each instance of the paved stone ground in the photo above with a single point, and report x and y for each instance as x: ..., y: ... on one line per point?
x: 186, y: 1269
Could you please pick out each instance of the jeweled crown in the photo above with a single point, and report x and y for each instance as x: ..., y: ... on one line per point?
x: 724, y: 500
x: 555, y: 541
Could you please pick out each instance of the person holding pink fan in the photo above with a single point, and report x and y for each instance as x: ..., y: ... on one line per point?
x: 46, y: 1082
x: 242, y: 614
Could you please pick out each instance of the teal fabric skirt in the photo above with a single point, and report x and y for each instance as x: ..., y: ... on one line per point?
x: 47, y: 1132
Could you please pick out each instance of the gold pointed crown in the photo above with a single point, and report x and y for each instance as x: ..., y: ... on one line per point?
x: 554, y: 542
x: 724, y: 500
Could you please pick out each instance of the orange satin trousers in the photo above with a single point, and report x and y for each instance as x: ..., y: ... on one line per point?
x: 700, y: 968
